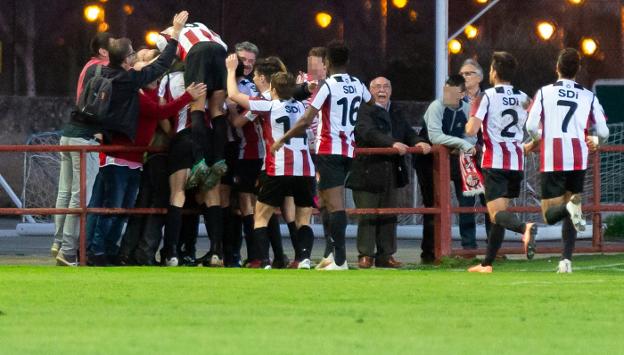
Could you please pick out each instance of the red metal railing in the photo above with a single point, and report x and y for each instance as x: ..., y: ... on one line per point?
x: 442, y: 211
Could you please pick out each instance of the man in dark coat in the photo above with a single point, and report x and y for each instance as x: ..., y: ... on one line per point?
x: 375, y: 179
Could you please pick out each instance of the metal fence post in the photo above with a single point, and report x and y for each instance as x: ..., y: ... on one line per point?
x: 596, y: 215
x: 83, y: 208
x: 442, y: 178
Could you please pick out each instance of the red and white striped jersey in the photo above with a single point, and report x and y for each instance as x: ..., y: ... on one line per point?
x: 277, y: 116
x: 193, y: 33
x: 502, y: 112
x: 172, y: 87
x: 565, y: 111
x: 338, y: 100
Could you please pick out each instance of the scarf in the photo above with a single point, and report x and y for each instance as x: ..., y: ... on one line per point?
x: 472, y: 180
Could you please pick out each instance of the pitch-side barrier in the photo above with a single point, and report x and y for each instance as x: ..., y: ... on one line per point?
x: 442, y: 210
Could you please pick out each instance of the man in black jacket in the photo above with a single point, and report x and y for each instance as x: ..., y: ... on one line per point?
x: 375, y: 179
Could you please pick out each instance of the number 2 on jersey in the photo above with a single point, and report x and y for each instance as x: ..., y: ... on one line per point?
x: 351, y: 111
x: 572, y: 106
x: 514, y: 121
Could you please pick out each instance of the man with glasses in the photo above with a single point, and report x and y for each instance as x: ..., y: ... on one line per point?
x: 473, y: 74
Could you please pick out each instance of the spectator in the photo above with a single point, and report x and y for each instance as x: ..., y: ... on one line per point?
x: 74, y: 133
x: 473, y: 74
x: 124, y: 105
x: 375, y: 179
x: 444, y: 124
x: 120, y: 173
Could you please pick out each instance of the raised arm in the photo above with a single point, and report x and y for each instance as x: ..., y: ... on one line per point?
x: 154, y: 70
x: 231, y: 62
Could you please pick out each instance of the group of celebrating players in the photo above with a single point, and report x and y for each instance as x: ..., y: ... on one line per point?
x: 257, y: 139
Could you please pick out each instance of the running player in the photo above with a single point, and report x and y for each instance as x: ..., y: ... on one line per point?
x: 558, y: 123
x: 288, y: 172
x: 339, y: 99
x: 501, y: 113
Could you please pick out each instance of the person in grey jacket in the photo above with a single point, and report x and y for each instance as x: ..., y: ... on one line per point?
x: 444, y: 123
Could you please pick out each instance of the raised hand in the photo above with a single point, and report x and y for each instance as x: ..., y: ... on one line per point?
x: 179, y: 20
x: 231, y: 62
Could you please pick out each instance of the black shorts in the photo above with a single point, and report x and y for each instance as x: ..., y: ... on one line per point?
x: 181, y: 151
x: 205, y: 63
x: 333, y: 170
x: 273, y: 190
x: 501, y: 183
x: 246, y: 175
x: 557, y: 183
x: 231, y: 160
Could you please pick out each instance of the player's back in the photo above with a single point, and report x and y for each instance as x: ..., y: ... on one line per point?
x: 294, y: 158
x: 567, y: 110
x: 339, y: 100
x: 503, y: 114
x: 194, y: 33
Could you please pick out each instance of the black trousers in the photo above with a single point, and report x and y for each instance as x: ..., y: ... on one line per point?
x: 467, y: 226
x: 377, y: 230
x: 144, y: 232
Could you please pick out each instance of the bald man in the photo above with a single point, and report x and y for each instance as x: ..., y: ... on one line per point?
x: 375, y: 179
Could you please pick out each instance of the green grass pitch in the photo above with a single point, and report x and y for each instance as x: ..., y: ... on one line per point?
x: 522, y: 308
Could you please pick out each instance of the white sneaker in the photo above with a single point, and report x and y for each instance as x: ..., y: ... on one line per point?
x: 304, y: 264
x: 576, y: 214
x: 565, y: 267
x: 54, y: 249
x: 171, y: 262
x: 335, y: 267
x: 215, y: 261
x: 325, y: 262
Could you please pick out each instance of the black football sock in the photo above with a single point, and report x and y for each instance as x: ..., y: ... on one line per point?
x: 556, y: 213
x: 305, y: 241
x: 236, y: 236
x: 248, y: 230
x: 275, y: 236
x: 495, y: 240
x: 568, y: 234
x: 227, y: 214
x: 509, y: 221
x: 199, y: 134
x: 213, y: 219
x: 294, y: 238
x: 338, y: 226
x: 219, y: 127
x: 261, y: 240
x: 329, y: 243
x: 188, y: 235
x: 173, y: 223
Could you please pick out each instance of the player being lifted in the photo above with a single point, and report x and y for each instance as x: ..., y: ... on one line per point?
x: 501, y: 113
x: 338, y: 99
x: 289, y: 172
x: 203, y: 52
x: 559, y: 120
